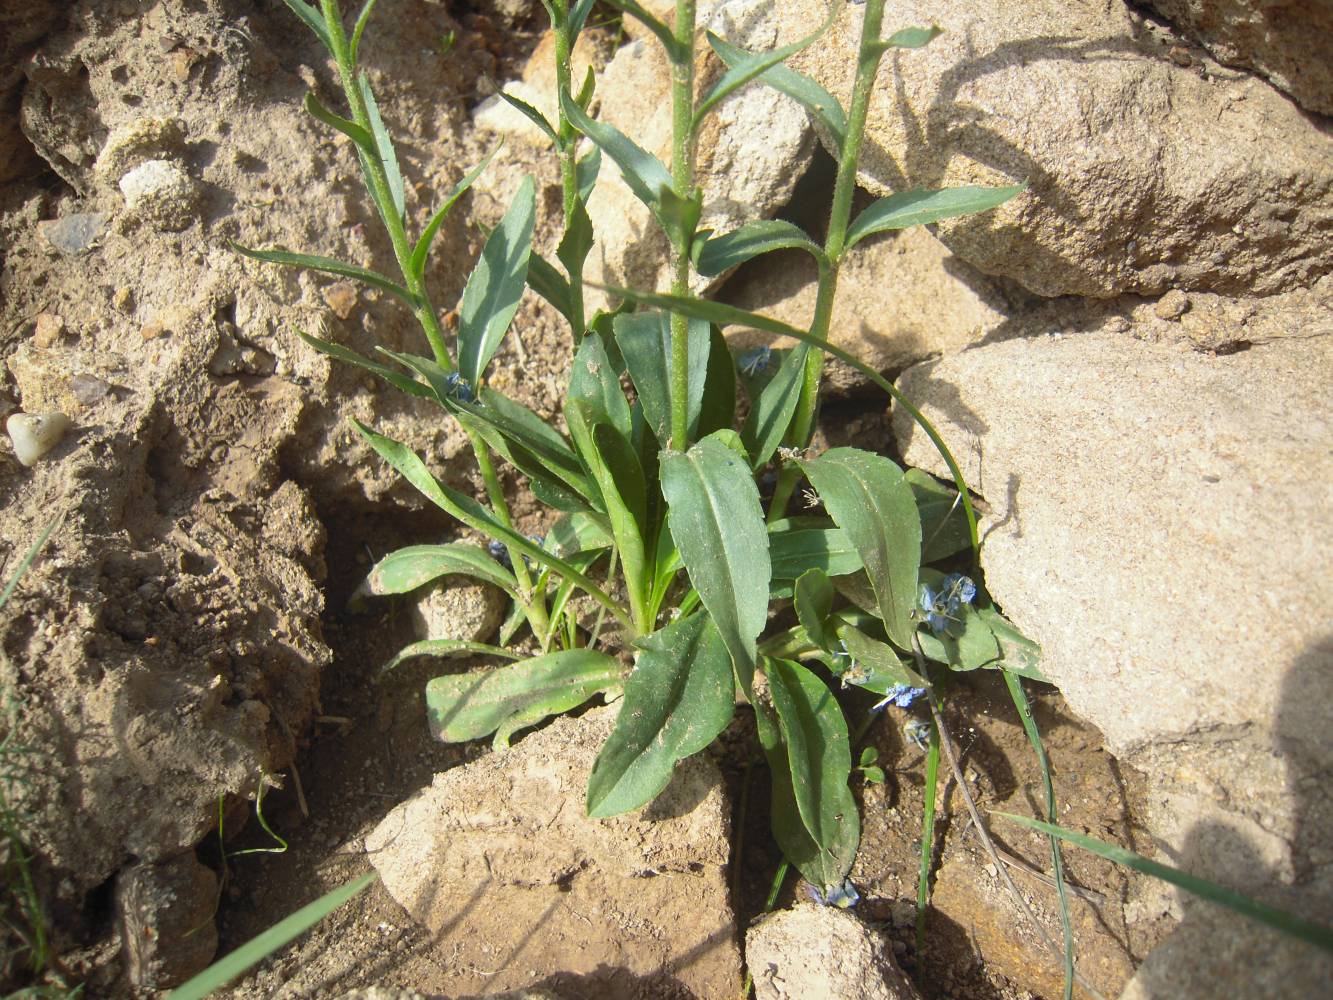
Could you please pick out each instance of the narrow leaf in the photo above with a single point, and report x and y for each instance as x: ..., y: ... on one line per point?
x: 579, y: 532
x: 422, y: 249
x: 593, y: 379
x: 464, y: 707
x: 822, y: 105
x: 578, y: 15
x: 576, y: 243
x: 447, y: 649
x: 717, y: 406
x: 313, y: 20
x: 530, y: 113
x: 876, y: 667
x: 351, y: 129
x: 771, y: 413
x: 407, y: 569
x: 918, y: 208
x: 1018, y: 654
x: 678, y: 698
x: 721, y: 253
x: 643, y: 173
x: 495, y: 286
x: 663, y: 33
x: 383, y: 144
x: 812, y: 598
x: 362, y: 20
x: 545, y: 279
x: 718, y: 526
x: 867, y: 496
x: 329, y: 266
x: 943, y: 525
x: 912, y: 38
x: 395, y: 378
x: 586, y: 172
x: 645, y: 343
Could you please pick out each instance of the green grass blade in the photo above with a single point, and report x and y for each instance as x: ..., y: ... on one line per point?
x: 222, y: 972
x: 26, y: 563
x: 1288, y: 923
x: 927, y: 840
x: 329, y: 266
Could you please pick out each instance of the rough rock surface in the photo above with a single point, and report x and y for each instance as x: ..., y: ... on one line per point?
x: 752, y: 150
x: 1141, y: 174
x: 1287, y: 41
x: 820, y: 951
x: 166, y: 921
x: 457, y: 608
x: 1147, y: 528
x: 499, y: 859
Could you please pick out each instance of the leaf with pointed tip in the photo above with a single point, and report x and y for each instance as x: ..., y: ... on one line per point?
x: 718, y: 527
x: 463, y: 707
x: 495, y: 286
x: 912, y: 38
x: 384, y: 145
x: 967, y: 643
x: 576, y: 243
x: 446, y: 648
x: 1018, y: 654
x: 819, y: 761
x: 879, y: 667
x: 351, y: 129
x: 422, y: 248
x: 329, y: 266
x: 643, y: 172
x: 579, y: 532
x: 313, y: 20
x: 663, y: 33
x: 530, y: 113
x: 800, y: 88
x: 721, y: 253
x: 417, y: 565
x: 519, y: 425
x: 717, y: 406
x: 680, y: 695
x: 397, y: 379
x: 578, y: 15
x: 593, y: 379
x: 772, y: 411
x: 867, y: 496
x: 545, y: 279
x: 645, y: 344
x: 359, y: 29
x: 919, y: 208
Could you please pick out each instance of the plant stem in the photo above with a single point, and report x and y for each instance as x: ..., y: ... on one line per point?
x: 835, y: 244
x: 682, y: 176
x: 379, y: 184
x: 568, y: 148
x: 927, y: 840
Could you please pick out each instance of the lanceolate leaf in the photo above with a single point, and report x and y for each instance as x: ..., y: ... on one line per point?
x: 384, y: 145
x: 495, y: 286
x: 445, y: 648
x: 717, y: 406
x: 464, y: 707
x: 329, y: 266
x: 645, y: 343
x: 546, y: 280
x: 943, y: 526
x: 395, y: 378
x: 878, y: 668
x: 593, y: 379
x: 579, y: 532
x: 586, y: 172
x: 351, y: 129
x: 718, y: 527
x: 918, y: 208
x: 771, y: 413
x: 819, y: 759
x: 813, y: 599
x: 313, y: 20
x: 912, y: 38
x: 679, y: 697
x: 721, y: 253
x: 520, y: 426
x: 797, y: 549
x: 818, y: 101
x: 867, y: 496
x: 663, y: 33
x: 417, y: 565
x: 643, y: 173
x: 578, y: 15
x: 1018, y: 654
x: 422, y: 249
x: 530, y: 113
x: 577, y: 242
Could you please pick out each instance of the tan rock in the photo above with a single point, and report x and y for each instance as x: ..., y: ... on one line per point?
x: 341, y: 297
x: 457, y: 608
x: 499, y: 855
x: 165, y: 913
x: 1141, y: 172
x: 47, y: 329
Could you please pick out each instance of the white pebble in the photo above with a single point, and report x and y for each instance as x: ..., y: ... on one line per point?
x: 34, y: 434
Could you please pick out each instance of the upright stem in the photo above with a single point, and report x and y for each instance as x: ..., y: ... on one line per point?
x: 682, y: 177
x: 835, y: 244
x: 569, y: 148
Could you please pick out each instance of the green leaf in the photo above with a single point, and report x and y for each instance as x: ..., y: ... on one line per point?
x: 918, y: 208
x: 1018, y: 654
x: 446, y: 648
x: 877, y: 667
x: 772, y: 411
x: 363, y: 139
x: 967, y: 644
x: 796, y: 550
x: 329, y: 266
x: 495, y: 286
x: 280, y: 934
x: 384, y: 146
x: 822, y: 105
x: 813, y: 599
x: 579, y: 532
x: 1288, y: 923
x: 680, y: 216
x: 645, y: 343
x: 718, y: 527
x: 679, y: 697
x: 586, y: 172
x: 867, y: 496
x: 912, y: 38
x: 643, y: 173
x: 395, y: 378
x: 503, y: 422
x: 819, y: 760
x: 576, y: 243
x: 547, y: 281
x: 422, y: 249
x: 721, y: 253
x: 417, y: 565
x: 359, y: 29
x: 530, y: 113
x: 463, y: 707
x: 717, y: 405
x: 578, y: 15
x: 313, y: 19
x: 593, y: 379
x: 750, y: 67
x: 663, y: 33
x: 943, y: 524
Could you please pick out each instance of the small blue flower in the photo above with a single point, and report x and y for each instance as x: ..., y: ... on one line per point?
x: 942, y: 606
x: 756, y: 360
x: 499, y: 553
x: 918, y: 733
x: 459, y: 388
x: 900, y: 695
x: 844, y: 896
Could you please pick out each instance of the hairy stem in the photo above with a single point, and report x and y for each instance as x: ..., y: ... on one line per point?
x: 682, y: 177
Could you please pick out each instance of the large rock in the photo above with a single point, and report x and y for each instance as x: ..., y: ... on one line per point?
x: 500, y: 860
x: 1141, y: 171
x: 1290, y: 42
x: 751, y: 152
x: 1154, y: 526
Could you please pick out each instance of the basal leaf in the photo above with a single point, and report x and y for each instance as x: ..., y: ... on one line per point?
x: 721, y: 253
x: 918, y: 208
x: 680, y: 695
x: 446, y: 649
x: 495, y: 286
x: 417, y: 565
x: 867, y: 496
x: 771, y: 413
x: 822, y: 105
x: 718, y: 527
x: 464, y: 707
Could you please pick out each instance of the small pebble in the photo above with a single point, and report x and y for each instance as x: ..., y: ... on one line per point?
x: 74, y: 234
x: 162, y: 191
x: 341, y: 298
x: 151, y: 331
x: 1172, y: 305
x: 34, y: 434
x: 123, y: 299
x: 48, y: 329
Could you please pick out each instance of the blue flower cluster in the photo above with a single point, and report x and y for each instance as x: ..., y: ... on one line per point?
x: 942, y: 606
x: 900, y: 695
x: 459, y: 388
